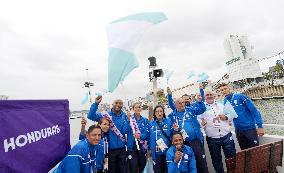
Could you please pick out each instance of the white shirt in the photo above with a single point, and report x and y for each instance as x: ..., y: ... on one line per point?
x: 215, y: 128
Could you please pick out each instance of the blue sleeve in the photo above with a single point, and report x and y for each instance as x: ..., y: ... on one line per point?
x: 253, y: 110
x: 126, y: 127
x: 82, y: 136
x: 199, y: 108
x: 192, y: 161
x: 145, y: 133
x: 152, y: 142
x: 171, y: 164
x: 171, y: 101
x: 71, y: 164
x: 202, y: 94
x: 93, y: 114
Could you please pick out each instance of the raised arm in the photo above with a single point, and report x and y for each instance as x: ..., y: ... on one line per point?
x: 170, y: 99
x: 93, y: 114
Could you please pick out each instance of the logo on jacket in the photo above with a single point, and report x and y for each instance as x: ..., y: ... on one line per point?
x: 129, y: 157
x: 185, y: 156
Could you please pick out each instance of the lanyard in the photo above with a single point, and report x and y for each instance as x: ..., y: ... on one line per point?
x: 95, y: 161
x: 105, y: 146
x: 156, y: 132
x: 183, y: 119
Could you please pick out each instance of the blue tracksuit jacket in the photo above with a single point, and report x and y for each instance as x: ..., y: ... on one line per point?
x: 155, y: 134
x: 248, y: 115
x: 187, y: 163
x: 195, y: 104
x: 187, y: 120
x: 120, y: 122
x: 143, y: 125
x: 82, y: 158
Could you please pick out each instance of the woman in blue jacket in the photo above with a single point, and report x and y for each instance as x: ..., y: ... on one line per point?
x: 180, y: 158
x: 160, y: 133
x: 137, y: 142
x: 86, y: 156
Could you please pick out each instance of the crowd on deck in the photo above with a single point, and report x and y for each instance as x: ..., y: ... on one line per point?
x: 122, y: 142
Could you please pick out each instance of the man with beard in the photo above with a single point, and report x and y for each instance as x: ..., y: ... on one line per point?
x: 186, y: 98
x: 119, y: 127
x: 180, y: 158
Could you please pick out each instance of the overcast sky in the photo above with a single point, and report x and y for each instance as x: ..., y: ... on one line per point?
x: 45, y: 46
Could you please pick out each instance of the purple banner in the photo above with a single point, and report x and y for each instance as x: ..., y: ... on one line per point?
x: 34, y: 135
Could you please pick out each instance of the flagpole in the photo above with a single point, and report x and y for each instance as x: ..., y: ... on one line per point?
x: 88, y: 85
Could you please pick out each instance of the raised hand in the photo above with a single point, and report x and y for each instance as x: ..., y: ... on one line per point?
x: 169, y: 91
x: 201, y: 86
x: 199, y: 97
x: 99, y: 99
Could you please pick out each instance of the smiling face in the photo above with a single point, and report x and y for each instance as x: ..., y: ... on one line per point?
x: 177, y: 141
x: 104, y: 124
x: 117, y: 105
x: 209, y: 97
x: 94, y: 136
x: 137, y: 108
x: 180, y: 105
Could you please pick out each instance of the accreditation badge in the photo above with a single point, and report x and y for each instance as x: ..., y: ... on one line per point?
x: 184, y: 134
x: 161, y: 144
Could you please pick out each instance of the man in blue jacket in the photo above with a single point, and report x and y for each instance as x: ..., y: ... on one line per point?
x: 86, y: 156
x: 186, y: 98
x: 184, y: 119
x: 247, y: 119
x: 117, y: 137
x: 180, y: 158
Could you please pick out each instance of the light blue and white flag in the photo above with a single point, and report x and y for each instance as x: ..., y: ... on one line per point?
x: 168, y: 74
x: 85, y: 99
x: 229, y: 110
x: 202, y: 77
x: 124, y: 35
x: 190, y: 74
x: 99, y: 94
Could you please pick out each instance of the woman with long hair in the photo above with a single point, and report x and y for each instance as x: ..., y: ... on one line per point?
x: 160, y: 139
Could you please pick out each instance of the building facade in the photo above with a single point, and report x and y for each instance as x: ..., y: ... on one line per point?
x: 240, y: 61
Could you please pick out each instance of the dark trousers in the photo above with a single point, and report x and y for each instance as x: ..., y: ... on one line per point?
x: 137, y: 160
x: 160, y: 164
x: 215, y: 145
x: 247, y: 139
x: 199, y: 153
x: 117, y: 160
